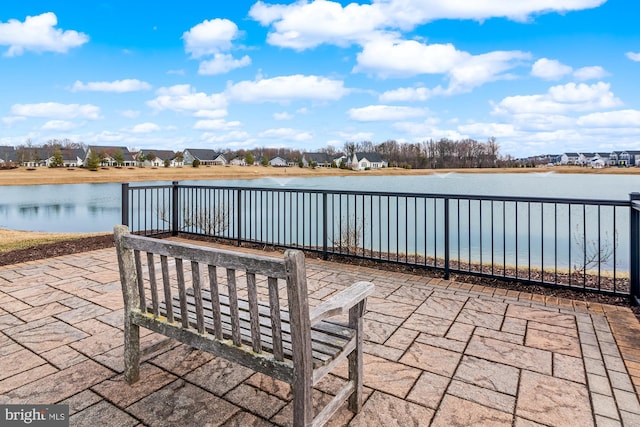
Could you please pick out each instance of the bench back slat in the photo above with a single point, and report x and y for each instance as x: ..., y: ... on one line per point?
x: 197, y: 294
x: 166, y: 285
x: 215, y: 301
x: 182, y: 291
x: 233, y: 305
x: 220, y: 257
x: 151, y: 267
x: 254, y: 317
x: 276, y: 322
x: 140, y: 281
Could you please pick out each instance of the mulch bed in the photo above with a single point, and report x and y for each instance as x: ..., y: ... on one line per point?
x: 49, y: 250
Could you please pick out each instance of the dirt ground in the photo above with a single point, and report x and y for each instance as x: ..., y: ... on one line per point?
x: 43, y: 175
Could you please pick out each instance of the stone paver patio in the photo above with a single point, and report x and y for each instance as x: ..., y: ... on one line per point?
x: 437, y: 353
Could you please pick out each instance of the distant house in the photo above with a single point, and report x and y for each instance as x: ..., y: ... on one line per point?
x: 71, y: 157
x: 204, y: 156
x: 109, y: 155
x: 340, y: 159
x: 278, y: 162
x: 634, y: 157
x: 7, y: 154
x: 320, y: 160
x: 238, y: 161
x: 569, y: 159
x: 599, y: 160
x: 156, y: 158
x: 362, y: 161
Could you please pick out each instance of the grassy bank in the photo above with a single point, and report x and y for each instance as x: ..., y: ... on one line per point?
x: 11, y: 240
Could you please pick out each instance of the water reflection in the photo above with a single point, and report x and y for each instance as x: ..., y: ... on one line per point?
x: 28, y: 211
x: 96, y: 207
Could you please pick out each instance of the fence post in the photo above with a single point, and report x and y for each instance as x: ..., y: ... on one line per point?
x: 634, y: 248
x: 175, y: 205
x: 324, y: 226
x: 125, y: 204
x: 446, y: 238
x: 239, y: 216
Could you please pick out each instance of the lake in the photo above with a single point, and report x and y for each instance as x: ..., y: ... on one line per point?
x: 96, y: 207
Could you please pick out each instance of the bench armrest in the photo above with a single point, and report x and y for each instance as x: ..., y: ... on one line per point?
x: 341, y: 302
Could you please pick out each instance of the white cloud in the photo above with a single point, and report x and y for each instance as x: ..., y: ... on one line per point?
x: 407, y: 94
x: 590, y: 73
x: 59, y: 125
x: 487, y: 130
x: 118, y: 86
x: 214, y: 38
x: 130, y: 114
x: 634, y: 56
x: 210, y: 37
x: 56, y: 110
x: 389, y: 57
x: 287, y: 88
x: 216, y: 124
x: 374, y: 113
x: 184, y: 98
x: 38, y: 34
x: 282, y: 116
x: 9, y: 121
x: 621, y: 118
x: 233, y: 138
x: 303, y: 25
x: 286, y: 134
x: 427, y: 129
x: 354, y: 136
x: 408, y: 13
x: 222, y: 63
x: 147, y: 127
x: 561, y: 99
x: 550, y: 69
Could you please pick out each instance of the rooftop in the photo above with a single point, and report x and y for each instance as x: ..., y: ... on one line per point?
x: 437, y: 353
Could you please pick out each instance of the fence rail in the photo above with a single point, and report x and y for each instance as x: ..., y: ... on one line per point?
x: 590, y: 245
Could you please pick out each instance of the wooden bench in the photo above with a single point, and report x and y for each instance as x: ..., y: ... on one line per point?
x: 229, y: 304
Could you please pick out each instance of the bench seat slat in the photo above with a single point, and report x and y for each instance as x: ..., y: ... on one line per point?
x: 326, y: 346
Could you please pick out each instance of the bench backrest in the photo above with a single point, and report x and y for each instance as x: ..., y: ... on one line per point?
x: 155, y: 273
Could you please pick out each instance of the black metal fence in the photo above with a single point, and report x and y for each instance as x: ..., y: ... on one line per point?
x: 591, y: 245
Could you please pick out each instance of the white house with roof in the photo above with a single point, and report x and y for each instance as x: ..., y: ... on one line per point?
x: 71, y: 157
x: 156, y: 158
x: 278, y: 162
x: 363, y: 161
x: 204, y: 156
x: 7, y: 154
x: 109, y: 154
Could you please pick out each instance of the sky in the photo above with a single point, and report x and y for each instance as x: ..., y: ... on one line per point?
x: 541, y: 76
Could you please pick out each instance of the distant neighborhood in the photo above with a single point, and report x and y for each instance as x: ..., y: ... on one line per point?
x: 94, y: 156
x: 595, y: 160
x: 357, y: 156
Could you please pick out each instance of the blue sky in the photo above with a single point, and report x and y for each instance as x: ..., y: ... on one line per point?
x: 541, y: 76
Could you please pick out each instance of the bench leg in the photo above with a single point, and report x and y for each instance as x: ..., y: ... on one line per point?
x: 302, y: 404
x: 355, y: 358
x: 131, y: 352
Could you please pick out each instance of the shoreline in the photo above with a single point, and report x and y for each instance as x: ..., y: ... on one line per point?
x: 44, y: 175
